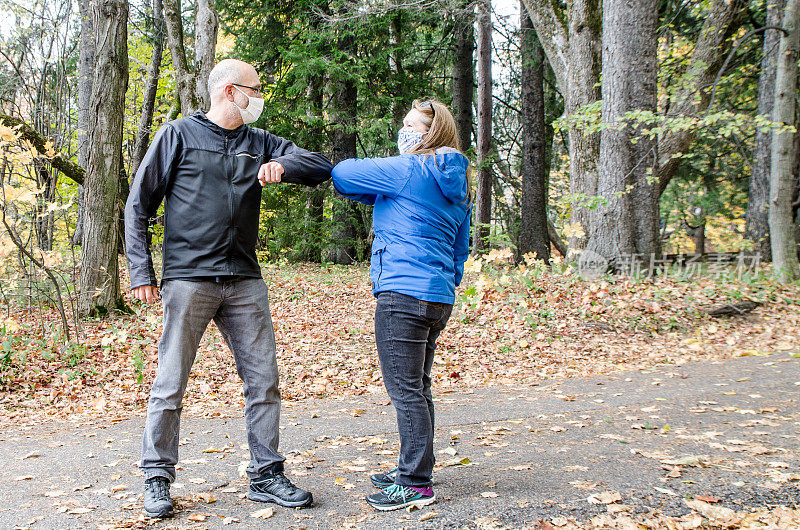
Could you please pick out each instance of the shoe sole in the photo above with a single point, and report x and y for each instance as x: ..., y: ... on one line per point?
x: 159, y: 515
x: 267, y: 497
x: 418, y: 502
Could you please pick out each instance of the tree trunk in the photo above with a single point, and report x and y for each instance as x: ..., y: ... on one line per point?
x: 571, y: 39
x: 757, y: 218
x: 464, y: 75
x: 628, y: 223
x: 533, y: 237
x: 150, y: 89
x: 698, y: 235
x: 191, y: 81
x: 781, y: 223
x: 206, y: 29
x: 583, y: 80
x: 311, y: 248
x: 85, y: 76
x: 345, y: 215
x: 99, y: 285
x: 483, y: 202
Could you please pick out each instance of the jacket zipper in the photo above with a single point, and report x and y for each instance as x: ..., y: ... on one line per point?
x: 230, y: 206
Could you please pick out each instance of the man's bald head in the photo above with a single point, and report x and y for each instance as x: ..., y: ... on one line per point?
x: 230, y: 71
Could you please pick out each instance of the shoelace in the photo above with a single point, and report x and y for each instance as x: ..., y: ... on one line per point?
x: 159, y: 488
x: 396, y: 491
x: 281, y: 479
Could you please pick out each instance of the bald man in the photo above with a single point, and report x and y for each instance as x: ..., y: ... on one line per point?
x: 209, y: 168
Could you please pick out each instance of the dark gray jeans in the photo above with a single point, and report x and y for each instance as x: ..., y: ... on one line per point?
x: 406, y: 330
x: 240, y: 310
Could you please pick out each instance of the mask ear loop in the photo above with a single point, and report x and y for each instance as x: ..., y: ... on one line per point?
x: 245, y: 95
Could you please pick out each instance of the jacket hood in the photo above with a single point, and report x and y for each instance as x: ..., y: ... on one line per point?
x: 449, y: 167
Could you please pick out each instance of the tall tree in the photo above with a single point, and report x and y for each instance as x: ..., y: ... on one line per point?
x: 781, y: 227
x: 150, y: 88
x: 464, y: 73
x: 757, y: 217
x: 533, y: 235
x: 99, y: 280
x: 191, y: 78
x: 571, y: 38
x: 628, y: 223
x: 483, y: 198
x: 86, y: 61
x: 344, y: 101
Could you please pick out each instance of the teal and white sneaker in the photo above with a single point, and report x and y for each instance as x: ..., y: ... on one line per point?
x: 398, y: 496
x: 384, y: 480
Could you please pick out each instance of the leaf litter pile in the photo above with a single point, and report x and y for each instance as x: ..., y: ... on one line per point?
x: 510, y: 326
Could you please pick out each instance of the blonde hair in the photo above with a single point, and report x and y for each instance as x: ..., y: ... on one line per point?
x: 442, y: 132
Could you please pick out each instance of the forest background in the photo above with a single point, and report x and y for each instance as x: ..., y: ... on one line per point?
x: 624, y: 158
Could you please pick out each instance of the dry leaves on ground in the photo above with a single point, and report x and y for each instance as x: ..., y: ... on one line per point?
x: 510, y: 325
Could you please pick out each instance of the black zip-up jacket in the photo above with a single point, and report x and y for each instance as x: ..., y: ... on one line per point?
x: 208, y: 177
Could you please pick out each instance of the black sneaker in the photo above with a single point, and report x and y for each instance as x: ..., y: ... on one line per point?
x: 156, y: 498
x: 275, y: 487
x: 384, y: 480
x: 398, y: 496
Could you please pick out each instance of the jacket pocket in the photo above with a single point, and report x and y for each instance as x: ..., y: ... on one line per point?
x: 376, y: 265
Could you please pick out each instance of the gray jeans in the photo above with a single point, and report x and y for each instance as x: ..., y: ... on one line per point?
x: 240, y: 310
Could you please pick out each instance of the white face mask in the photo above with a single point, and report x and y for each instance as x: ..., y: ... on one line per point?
x: 253, y: 109
x: 408, y: 138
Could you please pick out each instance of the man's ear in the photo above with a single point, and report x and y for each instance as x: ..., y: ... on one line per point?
x: 228, y: 91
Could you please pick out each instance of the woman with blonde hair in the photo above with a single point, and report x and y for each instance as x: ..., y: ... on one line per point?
x: 421, y: 219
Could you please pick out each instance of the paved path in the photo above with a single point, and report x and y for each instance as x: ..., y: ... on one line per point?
x: 532, y: 453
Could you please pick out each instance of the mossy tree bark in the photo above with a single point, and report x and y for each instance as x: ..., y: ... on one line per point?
x: 99, y: 280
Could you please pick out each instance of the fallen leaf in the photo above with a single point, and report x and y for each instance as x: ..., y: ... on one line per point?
x: 606, y: 497
x: 197, y: 517
x: 429, y: 515
x: 584, y: 484
x: 458, y: 462
x: 706, y: 498
x: 666, y: 491
x: 206, y: 497
x: 55, y: 493
x: 689, y: 460
x: 716, y: 514
x: 266, y: 513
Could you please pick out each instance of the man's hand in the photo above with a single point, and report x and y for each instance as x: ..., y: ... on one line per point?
x: 147, y: 293
x: 270, y: 172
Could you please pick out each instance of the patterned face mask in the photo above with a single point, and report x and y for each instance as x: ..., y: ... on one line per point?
x: 408, y: 138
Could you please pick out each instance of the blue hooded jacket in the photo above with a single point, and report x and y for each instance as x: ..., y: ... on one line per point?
x: 421, y: 220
